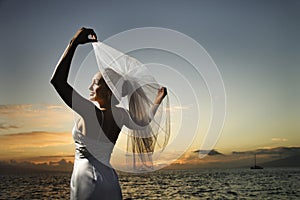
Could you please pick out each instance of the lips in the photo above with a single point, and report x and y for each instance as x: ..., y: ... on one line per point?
x: 92, y: 93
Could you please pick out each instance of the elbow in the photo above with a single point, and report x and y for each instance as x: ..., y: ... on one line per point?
x: 56, y: 82
x: 142, y: 123
x: 52, y: 81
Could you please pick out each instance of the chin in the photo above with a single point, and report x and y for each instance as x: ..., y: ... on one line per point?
x: 92, y: 99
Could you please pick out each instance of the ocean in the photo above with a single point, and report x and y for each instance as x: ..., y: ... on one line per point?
x: 273, y: 183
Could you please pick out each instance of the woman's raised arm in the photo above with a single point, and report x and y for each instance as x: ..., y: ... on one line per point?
x: 162, y: 92
x: 143, y: 119
x: 60, y: 76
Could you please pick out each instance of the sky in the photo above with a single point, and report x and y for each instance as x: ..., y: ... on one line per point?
x: 255, y: 45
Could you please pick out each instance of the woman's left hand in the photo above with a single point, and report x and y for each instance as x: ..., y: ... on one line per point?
x: 84, y: 35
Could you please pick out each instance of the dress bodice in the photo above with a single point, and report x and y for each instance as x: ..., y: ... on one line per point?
x: 86, y: 147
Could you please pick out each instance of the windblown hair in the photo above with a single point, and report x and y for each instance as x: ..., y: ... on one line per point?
x: 135, y: 90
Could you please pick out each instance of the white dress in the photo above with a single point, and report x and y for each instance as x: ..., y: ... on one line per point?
x: 93, y: 177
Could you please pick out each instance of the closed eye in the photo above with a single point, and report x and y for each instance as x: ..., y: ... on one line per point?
x: 97, y: 81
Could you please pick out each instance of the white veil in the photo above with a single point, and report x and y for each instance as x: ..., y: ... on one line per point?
x: 134, y: 91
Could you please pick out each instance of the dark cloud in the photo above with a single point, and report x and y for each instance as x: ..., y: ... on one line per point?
x: 275, y: 157
x: 62, y: 163
x: 49, y: 157
x: 22, y: 140
x: 289, y: 151
x: 16, y: 167
x: 208, y: 152
x: 5, y: 126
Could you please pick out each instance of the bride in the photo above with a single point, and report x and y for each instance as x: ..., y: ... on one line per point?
x: 97, y: 130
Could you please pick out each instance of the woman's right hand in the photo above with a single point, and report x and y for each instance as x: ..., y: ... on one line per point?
x: 83, y: 36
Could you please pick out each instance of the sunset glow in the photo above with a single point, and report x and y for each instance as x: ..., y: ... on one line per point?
x: 254, y: 46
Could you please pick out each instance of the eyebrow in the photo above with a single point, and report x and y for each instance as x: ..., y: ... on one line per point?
x: 97, y: 79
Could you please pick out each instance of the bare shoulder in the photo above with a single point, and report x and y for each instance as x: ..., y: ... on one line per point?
x: 120, y: 115
x: 81, y: 125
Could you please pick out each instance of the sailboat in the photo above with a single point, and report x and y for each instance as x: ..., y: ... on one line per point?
x: 256, y: 166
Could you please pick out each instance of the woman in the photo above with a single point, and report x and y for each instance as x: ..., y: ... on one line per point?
x: 96, y: 132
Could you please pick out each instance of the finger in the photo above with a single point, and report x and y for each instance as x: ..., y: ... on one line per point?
x: 91, y: 35
x: 94, y: 34
x: 92, y: 40
x: 90, y: 31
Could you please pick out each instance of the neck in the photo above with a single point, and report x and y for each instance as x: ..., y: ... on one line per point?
x: 104, y: 105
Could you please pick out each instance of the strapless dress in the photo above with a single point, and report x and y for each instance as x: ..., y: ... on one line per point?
x: 93, y: 177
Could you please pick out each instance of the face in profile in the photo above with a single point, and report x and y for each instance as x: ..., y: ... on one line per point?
x: 99, y: 90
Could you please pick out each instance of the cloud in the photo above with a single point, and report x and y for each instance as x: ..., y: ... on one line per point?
x: 20, y: 133
x: 16, y: 167
x: 179, y: 108
x: 56, y: 156
x: 279, y: 140
x: 50, y: 158
x: 61, y: 162
x: 208, y: 152
x: 236, y: 159
x: 54, y: 107
x: 192, y: 157
x: 288, y: 151
x: 5, y: 126
x: 29, y: 117
x: 34, y: 139
x: 9, y: 109
x: 36, y: 143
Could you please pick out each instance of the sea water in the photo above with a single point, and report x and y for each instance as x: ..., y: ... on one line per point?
x: 273, y: 183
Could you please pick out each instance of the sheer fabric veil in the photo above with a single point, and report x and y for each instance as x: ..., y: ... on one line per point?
x: 147, y: 126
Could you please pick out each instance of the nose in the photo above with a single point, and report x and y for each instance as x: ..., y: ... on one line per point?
x: 91, y: 87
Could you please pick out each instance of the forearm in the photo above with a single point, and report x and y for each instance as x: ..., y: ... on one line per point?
x: 155, y: 106
x: 153, y: 111
x: 61, y: 72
